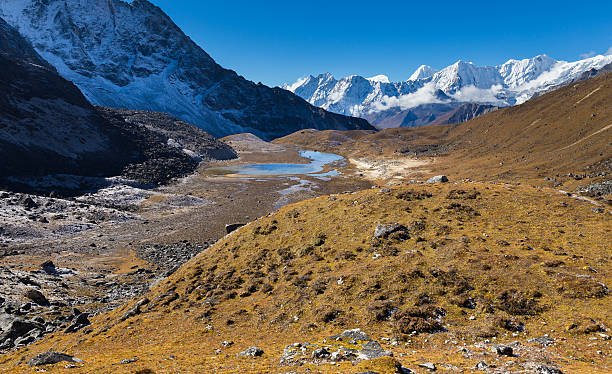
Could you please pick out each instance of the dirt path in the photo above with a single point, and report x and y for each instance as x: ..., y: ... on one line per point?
x: 389, y: 171
x: 586, y: 137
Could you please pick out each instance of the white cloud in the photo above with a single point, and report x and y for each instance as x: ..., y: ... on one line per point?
x: 294, y: 86
x: 609, y: 52
x: 424, y: 95
x: 479, y: 95
x: 588, y: 54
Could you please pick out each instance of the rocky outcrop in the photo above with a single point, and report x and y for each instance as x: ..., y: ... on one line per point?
x: 177, y: 134
x: 49, y: 358
x: 351, y: 345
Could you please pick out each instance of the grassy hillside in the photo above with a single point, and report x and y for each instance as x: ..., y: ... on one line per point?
x: 472, y: 265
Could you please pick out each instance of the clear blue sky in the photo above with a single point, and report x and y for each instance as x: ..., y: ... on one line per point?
x: 279, y: 41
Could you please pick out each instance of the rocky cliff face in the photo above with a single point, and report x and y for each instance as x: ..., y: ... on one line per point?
x: 46, y: 125
x: 132, y: 55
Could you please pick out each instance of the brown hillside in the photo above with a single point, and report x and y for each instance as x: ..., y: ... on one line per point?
x: 481, y: 263
x: 565, y: 131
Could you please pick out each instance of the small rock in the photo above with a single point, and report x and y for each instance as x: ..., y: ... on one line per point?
x: 482, y: 366
x: 503, y: 350
x: 429, y: 365
x: 37, y: 297
x: 233, y: 227
x: 320, y: 353
x: 50, y: 358
x: 227, y: 343
x: 438, y: 179
x: 548, y: 370
x: 253, y: 352
x: 128, y: 361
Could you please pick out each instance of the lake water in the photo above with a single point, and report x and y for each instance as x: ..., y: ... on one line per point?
x: 316, y: 165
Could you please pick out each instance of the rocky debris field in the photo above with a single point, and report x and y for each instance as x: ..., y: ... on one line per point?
x: 47, y: 298
x: 170, y: 257
x: 25, y: 217
x: 597, y: 189
x: 351, y: 345
x: 179, y: 134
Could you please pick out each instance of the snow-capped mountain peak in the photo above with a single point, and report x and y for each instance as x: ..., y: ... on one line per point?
x: 510, y: 83
x: 424, y: 71
x: 379, y: 79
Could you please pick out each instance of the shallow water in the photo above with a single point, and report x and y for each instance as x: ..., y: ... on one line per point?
x: 319, y: 160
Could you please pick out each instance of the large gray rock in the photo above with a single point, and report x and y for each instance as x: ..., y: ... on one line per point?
x: 50, y: 358
x: 253, y: 352
x: 79, y: 322
x: 547, y: 370
x: 384, y: 230
x: 354, y: 334
x: 438, y: 179
x: 14, y: 329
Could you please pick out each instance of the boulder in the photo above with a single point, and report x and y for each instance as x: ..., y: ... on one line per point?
x: 547, y: 370
x: 545, y: 341
x: 351, y: 345
x: 355, y: 334
x: 80, y: 321
x: 503, y: 350
x: 135, y: 310
x: 48, y: 267
x: 28, y: 203
x: 37, y: 297
x: 429, y: 365
x: 233, y: 227
x: 50, y: 358
x: 481, y: 366
x: 385, y: 230
x: 253, y: 352
x: 438, y: 179
x: 15, y: 329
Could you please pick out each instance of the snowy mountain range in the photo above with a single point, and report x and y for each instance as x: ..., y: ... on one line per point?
x: 131, y: 55
x: 389, y: 104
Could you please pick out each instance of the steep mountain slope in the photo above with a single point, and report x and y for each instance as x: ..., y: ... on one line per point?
x: 48, y: 127
x: 132, y: 55
x: 429, y: 114
x: 178, y: 134
x: 379, y: 100
x: 466, y: 267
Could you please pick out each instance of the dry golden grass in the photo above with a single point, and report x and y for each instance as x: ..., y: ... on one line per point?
x: 313, y: 269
